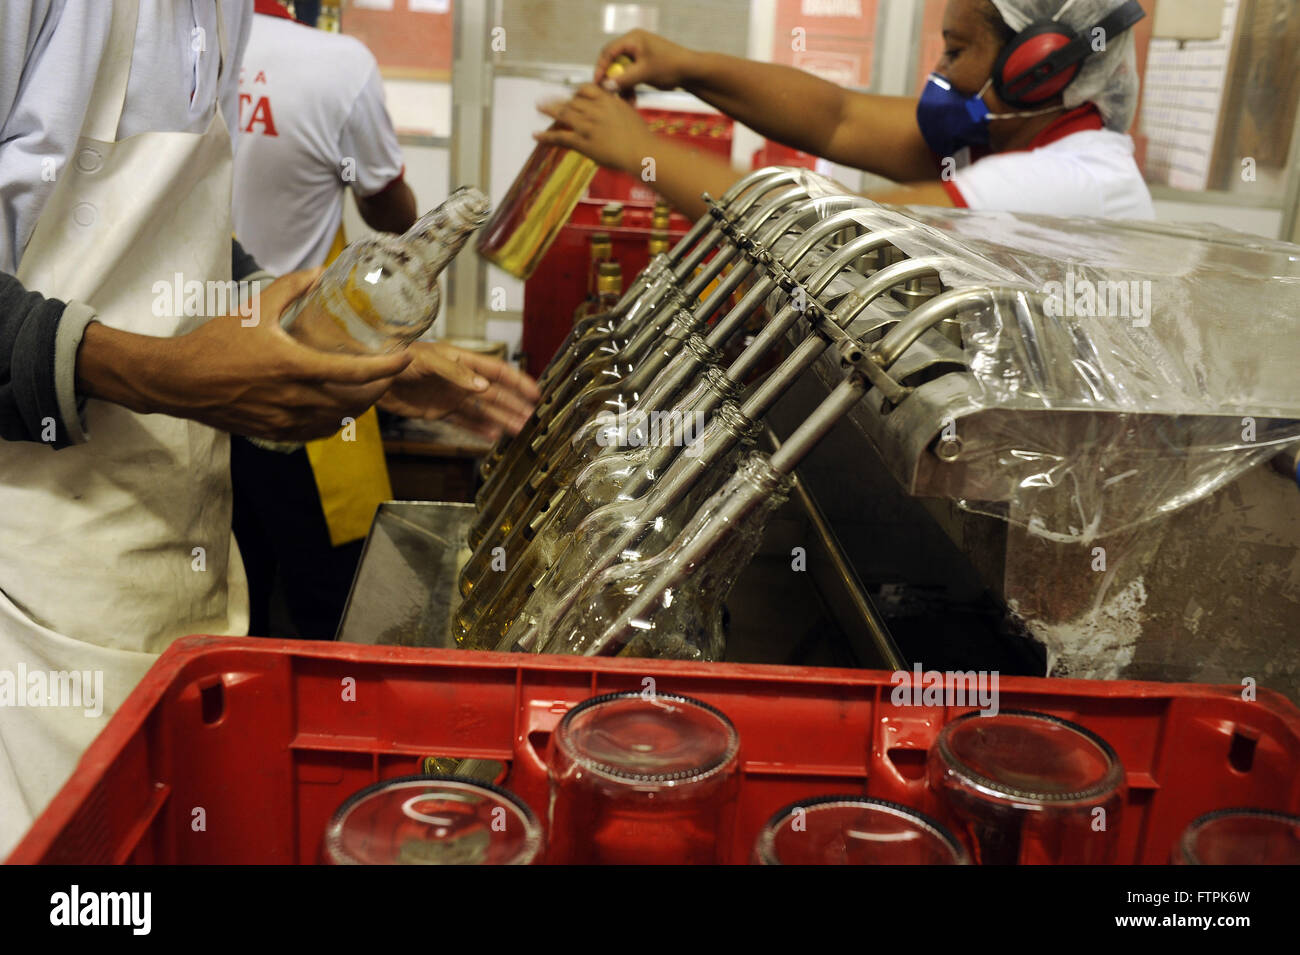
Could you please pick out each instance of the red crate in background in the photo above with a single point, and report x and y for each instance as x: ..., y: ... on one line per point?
x: 262, y: 736
x: 708, y: 132
x: 559, y: 285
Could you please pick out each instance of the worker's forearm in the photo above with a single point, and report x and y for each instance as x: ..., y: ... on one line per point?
x: 914, y: 194
x: 115, y: 366
x: 779, y: 102
x: 863, y: 130
x: 681, y: 175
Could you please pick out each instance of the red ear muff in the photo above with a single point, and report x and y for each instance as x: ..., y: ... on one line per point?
x: 1024, y: 75
x: 1043, y: 58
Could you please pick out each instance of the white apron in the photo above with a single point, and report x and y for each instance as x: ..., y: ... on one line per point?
x: 111, y: 550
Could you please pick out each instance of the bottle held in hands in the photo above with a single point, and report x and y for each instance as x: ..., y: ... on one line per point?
x: 381, y: 293
x: 539, y: 203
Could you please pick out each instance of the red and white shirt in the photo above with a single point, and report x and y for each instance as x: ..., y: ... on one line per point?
x: 313, y: 121
x: 1074, y: 167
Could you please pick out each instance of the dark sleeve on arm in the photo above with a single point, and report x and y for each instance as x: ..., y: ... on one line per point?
x: 242, y: 265
x: 38, y: 366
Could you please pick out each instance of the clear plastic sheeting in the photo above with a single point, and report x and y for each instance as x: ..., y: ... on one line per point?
x: 1128, y: 369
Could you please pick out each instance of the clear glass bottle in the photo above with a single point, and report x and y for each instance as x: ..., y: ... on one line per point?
x: 581, y: 531
x: 646, y: 293
x: 381, y: 293
x: 596, y: 327
x: 670, y: 605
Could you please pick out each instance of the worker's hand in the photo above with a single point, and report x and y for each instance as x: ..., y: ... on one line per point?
x: 478, y: 392
x: 602, y: 127
x: 655, y: 61
x: 256, y: 380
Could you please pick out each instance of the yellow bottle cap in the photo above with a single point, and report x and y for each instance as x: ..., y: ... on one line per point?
x: 619, y: 66
x: 609, y: 278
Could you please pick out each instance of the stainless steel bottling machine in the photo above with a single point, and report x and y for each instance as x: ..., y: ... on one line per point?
x: 819, y: 430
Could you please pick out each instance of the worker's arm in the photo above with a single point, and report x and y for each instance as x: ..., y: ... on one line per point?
x: 876, y: 133
x: 914, y: 194
x: 478, y: 392
x: 39, y: 337
x: 392, y: 209
x: 246, y: 377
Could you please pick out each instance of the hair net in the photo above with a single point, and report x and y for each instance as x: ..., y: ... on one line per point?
x: 1109, y: 79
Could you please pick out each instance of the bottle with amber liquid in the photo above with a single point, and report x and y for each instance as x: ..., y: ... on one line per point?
x: 539, y: 203
x: 611, y: 215
x: 600, y: 249
x: 607, y: 288
x: 660, y: 216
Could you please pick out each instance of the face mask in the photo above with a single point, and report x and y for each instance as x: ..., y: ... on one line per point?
x: 950, y: 120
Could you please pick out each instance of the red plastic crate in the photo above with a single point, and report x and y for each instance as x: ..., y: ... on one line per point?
x: 559, y: 285
x: 258, y: 734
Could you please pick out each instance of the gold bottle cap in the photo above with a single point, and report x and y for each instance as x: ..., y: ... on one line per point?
x: 658, y: 241
x: 610, y: 278
x: 602, y: 246
x: 619, y: 66
x: 612, y: 214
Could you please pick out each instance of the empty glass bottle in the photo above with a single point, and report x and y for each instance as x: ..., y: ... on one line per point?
x: 381, y: 293
x: 670, y: 605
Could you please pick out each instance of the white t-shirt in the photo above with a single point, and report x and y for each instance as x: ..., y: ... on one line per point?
x: 50, y: 51
x: 1086, y: 173
x: 313, y: 121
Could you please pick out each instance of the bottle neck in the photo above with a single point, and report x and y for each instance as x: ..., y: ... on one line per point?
x: 439, y: 235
